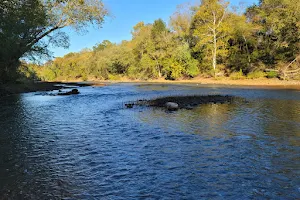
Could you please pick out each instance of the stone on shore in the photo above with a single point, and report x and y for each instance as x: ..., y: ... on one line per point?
x: 172, y: 106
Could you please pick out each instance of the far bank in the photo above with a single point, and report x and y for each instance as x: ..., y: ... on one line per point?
x: 17, y: 88
x: 262, y: 83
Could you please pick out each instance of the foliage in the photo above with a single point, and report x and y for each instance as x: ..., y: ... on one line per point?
x: 28, y: 27
x: 28, y: 72
x: 256, y: 75
x: 237, y: 75
x: 272, y: 74
x: 208, y: 40
x: 279, y: 34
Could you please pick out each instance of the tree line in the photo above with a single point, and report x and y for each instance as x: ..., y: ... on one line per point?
x: 211, y: 39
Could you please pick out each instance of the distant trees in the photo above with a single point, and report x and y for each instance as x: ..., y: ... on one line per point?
x: 28, y: 27
x: 209, y: 39
x: 103, y: 45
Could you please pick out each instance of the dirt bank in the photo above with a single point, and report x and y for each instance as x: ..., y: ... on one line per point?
x: 262, y: 83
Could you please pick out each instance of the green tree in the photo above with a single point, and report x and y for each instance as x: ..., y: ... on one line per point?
x: 103, y: 45
x: 242, y: 45
x: 181, y: 63
x: 144, y: 66
x: 278, y: 35
x: 29, y: 26
x: 17, y: 26
x: 158, y: 46
x: 158, y: 28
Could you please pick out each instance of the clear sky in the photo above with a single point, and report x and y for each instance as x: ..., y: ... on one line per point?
x: 126, y: 14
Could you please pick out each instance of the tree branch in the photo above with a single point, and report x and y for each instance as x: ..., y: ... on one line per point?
x: 221, y: 18
x: 29, y: 45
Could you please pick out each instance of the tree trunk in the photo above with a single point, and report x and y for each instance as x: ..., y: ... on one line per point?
x: 214, y: 30
x: 8, y: 72
x: 158, y: 67
x: 215, y: 54
x: 247, y: 49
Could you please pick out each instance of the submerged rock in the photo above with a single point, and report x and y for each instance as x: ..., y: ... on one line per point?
x: 74, y: 91
x: 129, y: 105
x: 172, y: 106
x: 185, y: 102
x: 189, y: 107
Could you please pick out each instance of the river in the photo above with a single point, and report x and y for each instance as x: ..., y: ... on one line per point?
x: 88, y: 146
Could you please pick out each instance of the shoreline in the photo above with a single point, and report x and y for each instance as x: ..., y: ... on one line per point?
x: 26, y: 87
x: 18, y: 88
x: 255, y: 83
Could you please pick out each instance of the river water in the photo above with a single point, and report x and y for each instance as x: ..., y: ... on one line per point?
x: 90, y: 147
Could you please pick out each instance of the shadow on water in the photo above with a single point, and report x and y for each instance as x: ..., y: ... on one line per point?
x: 27, y: 149
x: 89, y: 147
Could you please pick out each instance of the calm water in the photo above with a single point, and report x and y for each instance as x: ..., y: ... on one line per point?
x: 90, y: 147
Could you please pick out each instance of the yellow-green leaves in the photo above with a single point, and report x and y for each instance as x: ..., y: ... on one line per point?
x: 76, y: 13
x: 211, y: 29
x: 207, y: 38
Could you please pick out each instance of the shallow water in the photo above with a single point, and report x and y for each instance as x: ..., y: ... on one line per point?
x: 90, y: 147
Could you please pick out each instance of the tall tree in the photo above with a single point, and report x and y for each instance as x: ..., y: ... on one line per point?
x: 242, y: 44
x: 211, y: 29
x: 159, y: 43
x: 142, y: 45
x: 158, y: 28
x: 18, y: 23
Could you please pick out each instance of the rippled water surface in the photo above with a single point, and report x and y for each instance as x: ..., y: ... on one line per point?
x: 89, y: 147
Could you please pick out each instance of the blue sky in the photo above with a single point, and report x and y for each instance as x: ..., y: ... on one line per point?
x: 126, y: 14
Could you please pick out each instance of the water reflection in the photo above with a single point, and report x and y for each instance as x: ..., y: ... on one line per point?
x: 257, y: 117
x: 252, y: 144
x: 204, y: 119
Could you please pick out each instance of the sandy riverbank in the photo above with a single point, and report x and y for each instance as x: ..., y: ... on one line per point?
x: 262, y: 83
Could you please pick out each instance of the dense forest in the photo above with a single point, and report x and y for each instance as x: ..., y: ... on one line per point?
x: 211, y: 39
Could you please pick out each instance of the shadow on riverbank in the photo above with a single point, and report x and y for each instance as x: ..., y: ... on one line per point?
x: 24, y: 87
